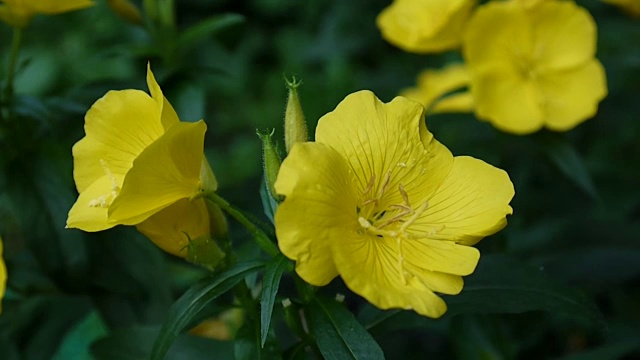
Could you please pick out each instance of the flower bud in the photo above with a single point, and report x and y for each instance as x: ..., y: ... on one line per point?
x: 295, y: 125
x: 270, y: 162
x: 219, y: 225
x: 126, y: 10
x: 205, y: 252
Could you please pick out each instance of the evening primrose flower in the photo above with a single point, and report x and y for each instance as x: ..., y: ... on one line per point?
x: 139, y: 165
x: 424, y: 26
x: 381, y: 203
x: 533, y: 66
x: 434, y: 88
x: 18, y: 13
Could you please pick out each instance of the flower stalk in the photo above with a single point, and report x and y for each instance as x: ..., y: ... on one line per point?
x: 261, y: 238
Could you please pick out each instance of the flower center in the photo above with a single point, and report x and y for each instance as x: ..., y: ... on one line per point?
x: 389, y: 221
x: 105, y: 200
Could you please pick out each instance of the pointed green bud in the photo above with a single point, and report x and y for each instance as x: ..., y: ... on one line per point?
x: 205, y: 252
x: 270, y: 162
x: 295, y: 125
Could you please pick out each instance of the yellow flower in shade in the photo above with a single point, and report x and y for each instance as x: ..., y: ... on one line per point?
x: 3, y: 276
x: 534, y: 66
x: 424, y: 26
x: 139, y: 165
x: 435, y: 87
x: 381, y: 203
x: 631, y: 7
x: 18, y: 13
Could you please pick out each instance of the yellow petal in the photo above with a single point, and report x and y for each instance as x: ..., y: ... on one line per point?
x: 456, y: 103
x: 433, y: 85
x: 169, y: 116
x: 424, y: 26
x: 511, y: 102
x: 378, y: 139
x: 573, y: 96
x: 498, y: 33
x: 370, y: 267
x: 118, y: 126
x: 564, y: 34
x: 471, y: 203
x: 171, y: 228
x: 441, y: 256
x: 3, y: 276
x: 166, y: 171
x: 320, y: 207
x: 89, y: 213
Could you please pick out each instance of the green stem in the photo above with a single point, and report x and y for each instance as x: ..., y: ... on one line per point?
x: 261, y: 238
x: 13, y: 60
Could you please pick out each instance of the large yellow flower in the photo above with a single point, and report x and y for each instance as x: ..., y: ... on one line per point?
x: 533, y: 66
x: 435, y: 87
x: 424, y: 26
x: 3, y: 276
x: 139, y: 165
x: 18, y: 13
x: 377, y: 200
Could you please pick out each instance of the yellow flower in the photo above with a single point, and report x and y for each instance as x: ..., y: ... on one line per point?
x: 3, y: 276
x: 434, y: 85
x: 534, y: 67
x: 377, y: 200
x: 631, y: 7
x: 424, y: 26
x: 18, y: 13
x: 139, y: 165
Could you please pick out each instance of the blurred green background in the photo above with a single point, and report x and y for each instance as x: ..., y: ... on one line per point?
x: 75, y: 295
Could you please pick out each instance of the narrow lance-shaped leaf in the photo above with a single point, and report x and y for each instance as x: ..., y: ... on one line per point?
x: 570, y: 163
x: 338, y: 334
x: 502, y: 284
x: 194, y: 300
x: 271, y: 282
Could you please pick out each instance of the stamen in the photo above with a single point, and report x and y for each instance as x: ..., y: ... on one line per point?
x: 106, y: 199
x: 404, y: 194
x: 372, y: 182
x: 385, y: 185
x: 414, y: 217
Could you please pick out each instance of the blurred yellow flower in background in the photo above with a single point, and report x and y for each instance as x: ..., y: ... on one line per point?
x: 435, y: 87
x: 139, y: 165
x: 377, y: 200
x: 534, y: 66
x: 18, y: 13
x: 424, y: 26
x: 3, y: 276
x: 631, y: 7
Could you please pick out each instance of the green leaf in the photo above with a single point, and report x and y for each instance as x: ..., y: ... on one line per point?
x: 603, y: 266
x: 502, y: 284
x: 208, y: 27
x: 481, y: 337
x: 134, y: 343
x: 338, y: 334
x: 570, y: 163
x: 617, y: 350
x: 194, y: 300
x: 78, y: 341
x: 271, y: 282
